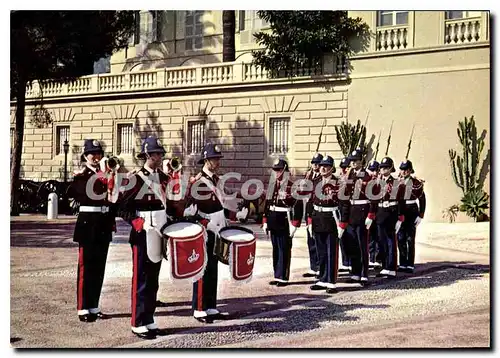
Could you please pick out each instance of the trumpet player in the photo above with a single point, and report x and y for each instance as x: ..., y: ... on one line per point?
x: 93, y: 228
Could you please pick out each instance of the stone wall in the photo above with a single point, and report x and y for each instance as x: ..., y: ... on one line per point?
x: 238, y: 121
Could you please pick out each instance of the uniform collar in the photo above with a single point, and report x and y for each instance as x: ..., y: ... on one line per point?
x: 150, y: 170
x: 208, y: 172
x: 94, y: 169
x: 327, y: 179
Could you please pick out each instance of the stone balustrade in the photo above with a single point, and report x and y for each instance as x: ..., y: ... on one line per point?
x: 391, y: 38
x: 461, y: 31
x: 176, y: 77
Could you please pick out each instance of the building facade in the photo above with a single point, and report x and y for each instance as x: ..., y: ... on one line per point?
x: 421, y: 69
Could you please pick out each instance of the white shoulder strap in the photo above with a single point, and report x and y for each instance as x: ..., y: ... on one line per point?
x: 155, y: 187
x: 216, y: 190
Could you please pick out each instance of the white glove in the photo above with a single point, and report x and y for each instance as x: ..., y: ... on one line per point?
x: 242, y: 214
x: 191, y: 210
x: 340, y: 231
x: 211, y: 226
x: 309, y: 229
x: 368, y: 223
x: 293, y: 229
x: 264, y: 227
x: 418, y: 220
x: 398, y: 226
x: 102, y: 164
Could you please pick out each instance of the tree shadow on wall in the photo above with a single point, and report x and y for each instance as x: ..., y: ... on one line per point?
x: 158, y: 54
x: 370, y: 151
x: 245, y: 148
x: 151, y: 126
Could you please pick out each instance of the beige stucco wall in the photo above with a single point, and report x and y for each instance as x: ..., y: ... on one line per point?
x: 432, y: 91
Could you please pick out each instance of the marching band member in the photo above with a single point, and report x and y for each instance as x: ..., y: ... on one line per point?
x: 314, y: 176
x: 213, y: 211
x: 282, y: 217
x: 146, y: 208
x: 413, y: 214
x: 361, y: 215
x: 389, y: 217
x: 324, y: 202
x: 93, y: 230
x: 344, y: 166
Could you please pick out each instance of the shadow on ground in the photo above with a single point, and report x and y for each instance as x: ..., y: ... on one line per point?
x: 303, y: 312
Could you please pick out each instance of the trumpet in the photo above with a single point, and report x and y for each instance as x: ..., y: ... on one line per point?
x: 173, y: 165
x: 110, y: 163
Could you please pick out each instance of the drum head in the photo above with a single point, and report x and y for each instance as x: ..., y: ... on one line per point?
x: 236, y: 234
x: 182, y: 230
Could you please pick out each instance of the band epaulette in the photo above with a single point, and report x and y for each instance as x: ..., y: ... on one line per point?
x: 131, y: 173
x: 79, y: 172
x: 195, y: 178
x: 420, y: 180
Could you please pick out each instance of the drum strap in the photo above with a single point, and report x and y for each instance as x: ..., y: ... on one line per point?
x: 216, y: 190
x: 155, y: 187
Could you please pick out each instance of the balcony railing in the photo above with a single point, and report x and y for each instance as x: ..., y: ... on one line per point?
x: 392, y: 38
x: 463, y: 31
x: 176, y: 77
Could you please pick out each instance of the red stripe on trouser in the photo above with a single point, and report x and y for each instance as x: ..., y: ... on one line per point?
x: 200, y: 294
x: 336, y: 261
x: 81, y: 271
x: 395, y: 254
x: 368, y: 245
x: 134, y: 283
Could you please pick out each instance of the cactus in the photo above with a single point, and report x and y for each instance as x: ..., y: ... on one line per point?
x: 350, y: 137
x: 465, y: 168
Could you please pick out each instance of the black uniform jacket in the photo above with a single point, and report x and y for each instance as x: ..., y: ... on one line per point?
x: 392, y: 192
x: 207, y: 199
x: 415, y: 189
x: 281, y: 196
x: 324, y: 221
x: 92, y: 226
x: 356, y: 189
x: 141, y: 198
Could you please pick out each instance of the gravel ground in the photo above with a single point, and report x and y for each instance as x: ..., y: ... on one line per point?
x: 440, y: 292
x: 452, y: 277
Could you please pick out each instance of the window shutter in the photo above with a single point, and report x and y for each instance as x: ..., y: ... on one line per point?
x: 168, y: 26
x: 137, y: 33
x: 240, y: 20
x: 154, y: 18
x: 180, y: 24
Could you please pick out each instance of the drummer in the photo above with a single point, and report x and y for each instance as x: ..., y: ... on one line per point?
x: 144, y: 206
x: 206, y: 200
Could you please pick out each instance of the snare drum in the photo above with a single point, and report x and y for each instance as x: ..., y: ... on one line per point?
x: 235, y: 246
x: 185, y: 249
x: 227, y: 236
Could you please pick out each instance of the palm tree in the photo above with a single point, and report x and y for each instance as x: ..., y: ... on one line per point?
x: 228, y: 29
